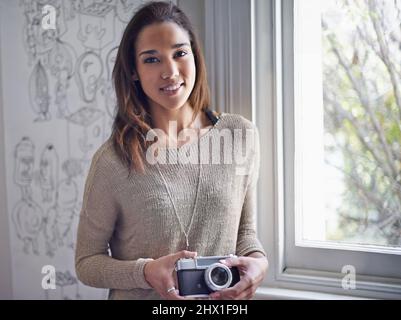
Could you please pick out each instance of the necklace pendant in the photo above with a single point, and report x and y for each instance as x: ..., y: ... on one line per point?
x: 187, y: 245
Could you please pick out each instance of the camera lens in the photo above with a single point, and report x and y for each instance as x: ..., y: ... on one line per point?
x: 218, y: 276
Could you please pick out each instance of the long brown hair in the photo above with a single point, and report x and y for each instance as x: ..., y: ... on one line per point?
x: 133, y: 120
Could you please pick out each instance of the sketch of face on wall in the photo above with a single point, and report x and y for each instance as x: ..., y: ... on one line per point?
x: 93, y: 20
x: 107, y: 93
x: 89, y: 70
x: 39, y: 41
x: 85, y: 133
x: 41, y: 46
x: 60, y: 217
x: 125, y: 9
x: 110, y: 94
x: 48, y: 172
x: 39, y: 93
x: 27, y: 216
x: 61, y: 63
x: 23, y: 169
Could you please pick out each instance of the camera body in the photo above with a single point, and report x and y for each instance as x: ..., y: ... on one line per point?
x: 201, y: 276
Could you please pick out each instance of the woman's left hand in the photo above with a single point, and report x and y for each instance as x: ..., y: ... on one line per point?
x: 252, y: 271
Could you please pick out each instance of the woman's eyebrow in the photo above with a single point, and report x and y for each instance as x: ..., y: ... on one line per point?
x: 178, y: 45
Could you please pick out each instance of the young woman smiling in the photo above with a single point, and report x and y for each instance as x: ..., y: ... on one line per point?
x: 151, y: 215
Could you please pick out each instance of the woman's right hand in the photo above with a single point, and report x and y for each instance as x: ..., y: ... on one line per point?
x: 159, y: 274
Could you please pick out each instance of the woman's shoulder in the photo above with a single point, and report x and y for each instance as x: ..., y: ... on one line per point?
x: 106, y: 156
x: 246, y: 128
x: 236, y: 121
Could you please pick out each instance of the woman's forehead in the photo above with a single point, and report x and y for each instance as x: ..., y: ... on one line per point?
x: 161, y: 36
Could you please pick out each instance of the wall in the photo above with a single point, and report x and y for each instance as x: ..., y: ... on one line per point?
x: 50, y: 125
x: 195, y: 10
x: 5, y: 254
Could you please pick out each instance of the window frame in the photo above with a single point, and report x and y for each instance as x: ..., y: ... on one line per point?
x: 301, y: 268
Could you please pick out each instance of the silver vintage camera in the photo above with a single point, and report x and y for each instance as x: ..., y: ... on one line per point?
x: 201, y: 276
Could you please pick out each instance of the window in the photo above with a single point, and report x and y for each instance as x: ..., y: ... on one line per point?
x: 348, y: 123
x: 333, y: 128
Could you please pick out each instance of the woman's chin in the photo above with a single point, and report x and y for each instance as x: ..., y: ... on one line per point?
x: 171, y: 107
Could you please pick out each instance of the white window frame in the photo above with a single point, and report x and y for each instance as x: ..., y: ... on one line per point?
x: 259, y: 84
x: 296, y: 267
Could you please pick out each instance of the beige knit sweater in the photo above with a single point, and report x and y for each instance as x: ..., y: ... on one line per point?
x: 133, y: 215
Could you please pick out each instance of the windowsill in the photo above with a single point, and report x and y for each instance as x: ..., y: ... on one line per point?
x: 264, y: 293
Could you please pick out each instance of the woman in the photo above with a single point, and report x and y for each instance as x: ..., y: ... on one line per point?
x: 152, y: 213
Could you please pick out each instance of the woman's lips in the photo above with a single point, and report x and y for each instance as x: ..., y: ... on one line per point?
x: 171, y: 92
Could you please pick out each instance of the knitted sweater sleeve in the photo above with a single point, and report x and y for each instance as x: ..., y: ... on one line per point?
x: 93, y: 264
x: 247, y: 241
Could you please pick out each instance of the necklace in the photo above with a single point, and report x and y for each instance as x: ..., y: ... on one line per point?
x: 214, y: 119
x: 186, y: 233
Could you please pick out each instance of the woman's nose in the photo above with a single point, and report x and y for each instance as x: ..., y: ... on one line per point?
x: 170, y: 70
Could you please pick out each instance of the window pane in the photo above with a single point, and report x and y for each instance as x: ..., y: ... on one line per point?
x: 348, y: 139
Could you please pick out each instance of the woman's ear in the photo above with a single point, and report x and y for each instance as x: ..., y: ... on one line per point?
x: 135, y: 77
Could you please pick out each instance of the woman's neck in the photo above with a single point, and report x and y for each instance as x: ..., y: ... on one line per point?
x: 172, y: 122
x: 182, y: 119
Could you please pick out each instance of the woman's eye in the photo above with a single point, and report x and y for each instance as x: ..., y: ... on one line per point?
x: 150, y: 60
x: 181, y: 53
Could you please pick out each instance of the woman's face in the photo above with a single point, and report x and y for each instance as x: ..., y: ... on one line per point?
x: 165, y: 65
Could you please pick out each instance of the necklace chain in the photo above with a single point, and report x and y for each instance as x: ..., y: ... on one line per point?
x: 186, y: 233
